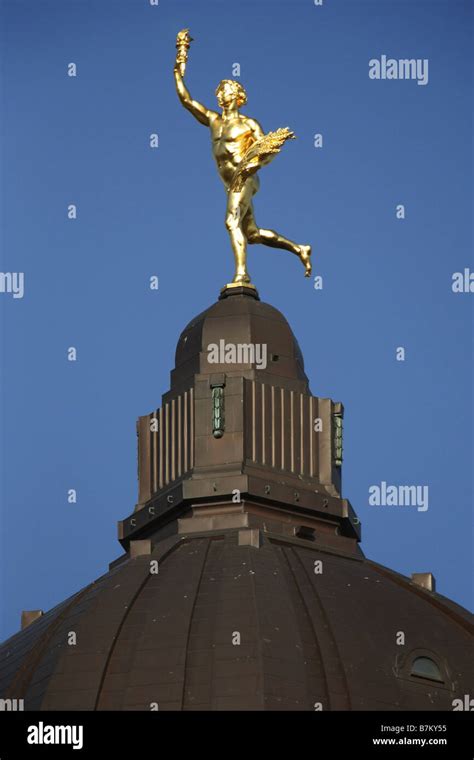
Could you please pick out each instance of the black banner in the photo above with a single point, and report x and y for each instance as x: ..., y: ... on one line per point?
x: 133, y: 734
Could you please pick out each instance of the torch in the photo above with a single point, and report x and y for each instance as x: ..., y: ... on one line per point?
x: 183, y: 42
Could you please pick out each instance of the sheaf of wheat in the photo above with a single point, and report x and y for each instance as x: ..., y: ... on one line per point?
x: 260, y: 153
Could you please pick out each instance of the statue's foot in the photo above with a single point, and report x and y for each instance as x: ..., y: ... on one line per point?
x: 241, y: 279
x: 305, y: 258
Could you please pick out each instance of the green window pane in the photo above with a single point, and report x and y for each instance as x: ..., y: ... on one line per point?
x: 424, y: 667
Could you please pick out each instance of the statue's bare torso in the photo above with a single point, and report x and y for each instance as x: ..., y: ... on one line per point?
x: 231, y: 138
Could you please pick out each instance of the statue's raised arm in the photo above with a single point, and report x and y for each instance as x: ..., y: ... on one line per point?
x: 198, y: 110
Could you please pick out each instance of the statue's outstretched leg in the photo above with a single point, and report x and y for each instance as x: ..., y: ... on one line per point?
x: 255, y: 234
x: 237, y: 207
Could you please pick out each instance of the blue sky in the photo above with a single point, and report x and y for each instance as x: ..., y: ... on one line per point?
x: 144, y: 212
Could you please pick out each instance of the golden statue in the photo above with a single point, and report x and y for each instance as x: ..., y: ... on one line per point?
x: 240, y: 148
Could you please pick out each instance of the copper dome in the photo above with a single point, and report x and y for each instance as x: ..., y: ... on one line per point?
x: 242, y: 585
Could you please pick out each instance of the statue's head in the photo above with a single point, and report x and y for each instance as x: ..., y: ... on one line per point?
x: 229, y: 90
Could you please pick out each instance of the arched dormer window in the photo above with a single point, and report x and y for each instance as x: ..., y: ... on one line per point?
x: 425, y: 667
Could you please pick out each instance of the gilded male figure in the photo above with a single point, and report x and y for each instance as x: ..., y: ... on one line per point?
x: 240, y: 148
